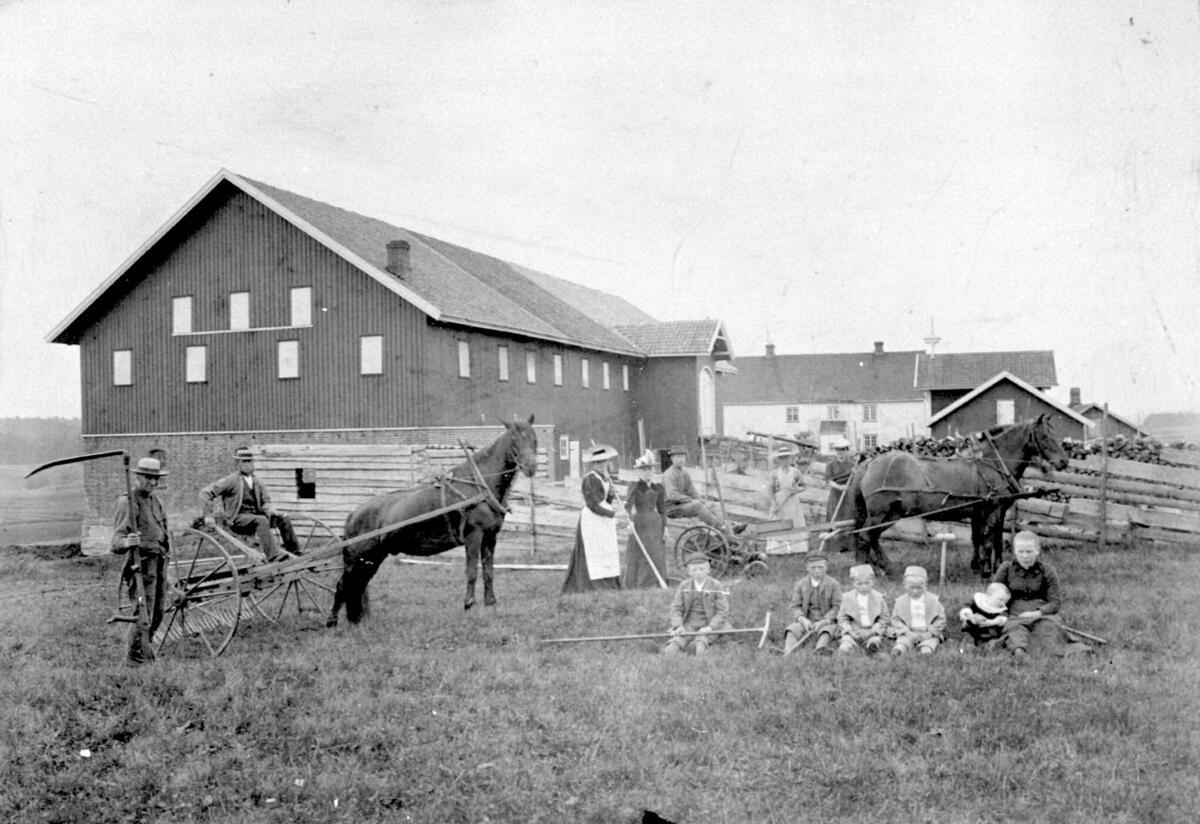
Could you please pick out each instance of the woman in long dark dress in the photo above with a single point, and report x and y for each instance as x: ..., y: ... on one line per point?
x: 596, y: 559
x: 646, y: 504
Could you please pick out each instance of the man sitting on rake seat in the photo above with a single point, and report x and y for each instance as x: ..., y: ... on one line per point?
x: 247, y: 507
x: 682, y: 501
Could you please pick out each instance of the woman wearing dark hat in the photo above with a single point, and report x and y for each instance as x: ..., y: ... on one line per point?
x: 647, y: 505
x: 596, y: 560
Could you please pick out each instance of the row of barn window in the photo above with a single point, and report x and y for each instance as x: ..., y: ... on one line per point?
x: 370, y: 363
x: 239, y: 311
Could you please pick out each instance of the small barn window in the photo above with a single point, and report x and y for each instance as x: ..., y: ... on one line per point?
x: 122, y: 367
x: 869, y: 412
x: 1006, y: 412
x: 558, y: 370
x: 195, y: 370
x: 302, y: 306
x: 604, y: 374
x: 371, y: 355
x: 306, y: 484
x: 584, y: 379
x: 464, y: 359
x: 791, y: 414
x: 502, y: 362
x: 239, y: 310
x: 531, y: 367
x: 181, y: 315
x: 625, y: 376
x: 289, y: 359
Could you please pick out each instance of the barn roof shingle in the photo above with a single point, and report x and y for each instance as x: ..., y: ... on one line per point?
x: 967, y: 370
x: 682, y: 337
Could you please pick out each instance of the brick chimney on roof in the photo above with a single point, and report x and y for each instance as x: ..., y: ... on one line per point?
x: 878, y: 347
x: 770, y: 350
x: 1075, y: 395
x: 397, y: 259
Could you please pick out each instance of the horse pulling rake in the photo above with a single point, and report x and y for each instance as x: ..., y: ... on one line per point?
x: 216, y: 581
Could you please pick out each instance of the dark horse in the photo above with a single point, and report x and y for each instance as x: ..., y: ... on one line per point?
x: 977, y: 486
x: 474, y: 526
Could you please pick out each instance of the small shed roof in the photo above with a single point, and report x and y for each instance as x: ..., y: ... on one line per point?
x: 1020, y: 384
x: 1095, y: 411
x: 678, y: 338
x: 966, y: 370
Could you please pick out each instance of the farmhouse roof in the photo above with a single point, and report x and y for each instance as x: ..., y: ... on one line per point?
x: 1097, y: 410
x: 871, y: 377
x: 678, y: 338
x: 449, y: 283
x: 1020, y: 384
x: 966, y: 370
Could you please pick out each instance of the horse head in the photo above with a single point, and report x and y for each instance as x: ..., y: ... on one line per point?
x: 1045, y: 447
x: 522, y: 447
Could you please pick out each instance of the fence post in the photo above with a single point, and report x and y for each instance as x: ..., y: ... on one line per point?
x: 1104, y: 478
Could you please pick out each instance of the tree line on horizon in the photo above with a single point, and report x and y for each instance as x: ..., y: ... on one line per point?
x: 37, y: 440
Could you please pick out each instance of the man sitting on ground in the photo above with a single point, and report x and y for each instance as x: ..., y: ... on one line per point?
x: 682, y: 501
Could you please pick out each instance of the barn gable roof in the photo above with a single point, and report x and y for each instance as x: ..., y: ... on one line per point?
x: 449, y: 283
x: 966, y: 370
x: 1097, y: 412
x: 1020, y: 384
x: 824, y: 378
x: 678, y: 338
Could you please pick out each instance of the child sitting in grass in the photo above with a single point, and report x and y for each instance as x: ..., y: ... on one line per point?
x: 700, y: 606
x: 814, y: 604
x: 983, y: 619
x: 918, y: 619
x: 863, y: 616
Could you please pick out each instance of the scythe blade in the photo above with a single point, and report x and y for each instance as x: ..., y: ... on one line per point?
x: 91, y: 456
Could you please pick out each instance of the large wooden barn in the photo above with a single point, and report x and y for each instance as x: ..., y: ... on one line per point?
x: 256, y: 316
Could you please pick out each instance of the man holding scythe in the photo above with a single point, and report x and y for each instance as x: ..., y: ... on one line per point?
x: 142, y: 534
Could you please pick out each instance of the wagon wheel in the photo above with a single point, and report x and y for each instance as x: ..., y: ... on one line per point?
x: 706, y: 540
x: 203, y: 595
x: 303, y: 585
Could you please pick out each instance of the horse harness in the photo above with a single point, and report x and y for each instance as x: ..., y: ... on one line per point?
x: 443, y: 481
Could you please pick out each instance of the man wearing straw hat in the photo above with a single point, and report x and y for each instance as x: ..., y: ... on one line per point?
x: 837, y: 505
x: 596, y: 559
x: 247, y: 507
x: 682, y: 501
x: 147, y: 530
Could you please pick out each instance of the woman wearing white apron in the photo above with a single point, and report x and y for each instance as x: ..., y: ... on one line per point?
x: 596, y: 559
x: 784, y: 485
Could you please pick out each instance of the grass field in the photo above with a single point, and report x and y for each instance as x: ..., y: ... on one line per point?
x: 430, y: 714
x: 47, y: 509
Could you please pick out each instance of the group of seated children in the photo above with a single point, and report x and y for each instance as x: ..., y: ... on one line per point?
x: 859, y: 620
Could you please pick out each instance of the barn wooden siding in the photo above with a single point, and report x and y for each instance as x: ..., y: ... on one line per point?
x: 232, y: 243
x: 980, y: 413
x: 667, y: 400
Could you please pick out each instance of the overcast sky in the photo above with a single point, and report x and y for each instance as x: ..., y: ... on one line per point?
x: 820, y: 175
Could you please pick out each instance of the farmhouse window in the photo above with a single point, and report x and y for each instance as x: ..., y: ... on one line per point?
x: 530, y: 366
x: 302, y: 306
x: 584, y: 378
x: 604, y: 374
x: 464, y: 359
x: 289, y: 359
x: 181, y: 316
x: 870, y: 441
x: 1006, y: 412
x: 239, y: 310
x: 833, y: 413
x: 196, y: 361
x: 792, y: 414
x: 122, y: 367
x: 502, y: 358
x: 371, y: 355
x: 869, y: 413
x: 558, y: 370
x: 625, y: 376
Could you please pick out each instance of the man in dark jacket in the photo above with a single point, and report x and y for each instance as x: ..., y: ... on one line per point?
x: 147, y: 530
x: 247, y: 507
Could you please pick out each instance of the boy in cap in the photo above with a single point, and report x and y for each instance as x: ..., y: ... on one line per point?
x: 147, y: 530
x: 918, y: 619
x: 863, y: 615
x: 983, y: 619
x: 814, y: 604
x: 700, y: 605
x: 247, y: 507
x: 682, y: 501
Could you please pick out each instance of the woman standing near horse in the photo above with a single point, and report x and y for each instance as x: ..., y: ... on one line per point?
x: 783, y: 487
x: 645, y: 551
x: 596, y: 560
